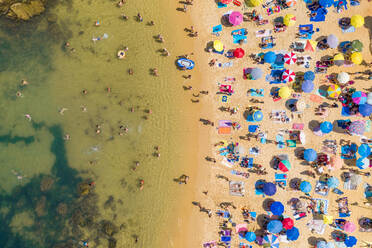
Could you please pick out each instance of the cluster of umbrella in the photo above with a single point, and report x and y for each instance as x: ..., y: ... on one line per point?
x: 308, y: 84
x: 364, y: 151
x: 350, y: 241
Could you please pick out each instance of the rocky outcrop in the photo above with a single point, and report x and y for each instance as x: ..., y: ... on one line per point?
x: 21, y: 10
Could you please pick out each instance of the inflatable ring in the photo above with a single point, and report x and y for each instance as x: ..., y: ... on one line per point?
x: 121, y: 54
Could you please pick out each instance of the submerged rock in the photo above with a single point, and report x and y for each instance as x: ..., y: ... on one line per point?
x: 21, y: 10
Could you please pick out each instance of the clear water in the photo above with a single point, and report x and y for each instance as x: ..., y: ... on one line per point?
x: 41, y: 204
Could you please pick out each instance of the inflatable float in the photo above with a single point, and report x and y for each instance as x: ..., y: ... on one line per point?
x: 185, y: 64
x: 121, y: 54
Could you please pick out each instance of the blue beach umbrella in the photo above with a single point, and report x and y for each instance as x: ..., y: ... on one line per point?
x: 333, y: 182
x: 305, y: 186
x: 321, y: 244
x: 269, y: 57
x: 364, y: 150
x: 362, y: 163
x: 293, y: 234
x: 250, y: 236
x: 269, y: 189
x: 274, y: 226
x: 365, y: 109
x: 350, y: 241
x: 331, y: 244
x: 307, y: 86
x: 326, y: 127
x: 258, y: 115
x: 326, y: 3
x: 309, y: 75
x: 277, y: 208
x: 271, y: 241
x: 310, y: 155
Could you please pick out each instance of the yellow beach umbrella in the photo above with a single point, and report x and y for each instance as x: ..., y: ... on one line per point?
x: 289, y: 20
x: 334, y: 91
x: 356, y: 58
x: 284, y: 92
x: 339, y: 56
x: 357, y: 21
x: 218, y: 46
x: 328, y: 219
x: 253, y: 3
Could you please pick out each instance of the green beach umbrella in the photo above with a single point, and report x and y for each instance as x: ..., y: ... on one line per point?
x: 284, y: 165
x: 357, y: 45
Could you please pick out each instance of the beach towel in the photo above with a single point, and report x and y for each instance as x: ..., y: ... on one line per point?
x: 343, y: 207
x: 279, y: 116
x: 224, y: 98
x: 240, y: 173
x: 321, y: 206
x: 257, y: 186
x: 316, y: 98
x: 317, y: 226
x: 225, y: 65
x: 320, y: 15
x: 259, y: 94
x: 238, y: 38
x: 281, y: 178
x: 263, y: 33
x: 298, y: 126
x: 254, y: 151
x: 239, y: 32
x: 224, y: 130
x: 291, y: 143
x: 345, y: 111
x: 226, y: 239
x: 252, y: 128
x: 244, y: 245
x: 349, y: 152
x: 350, y: 29
x: 221, y: 5
x: 280, y: 140
x: 236, y: 188
x: 353, y: 182
x: 306, y: 28
x: 275, y: 76
x: 210, y: 244
x: 224, y: 123
x: 321, y: 188
x: 216, y: 29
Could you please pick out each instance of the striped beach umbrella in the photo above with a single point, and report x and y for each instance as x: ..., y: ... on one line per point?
x: 271, y: 241
x: 290, y: 3
x: 362, y: 163
x: 359, y: 97
x: 339, y: 59
x: 311, y: 45
x: 284, y: 165
x: 357, y: 127
x: 288, y: 75
x: 334, y: 91
x: 290, y: 58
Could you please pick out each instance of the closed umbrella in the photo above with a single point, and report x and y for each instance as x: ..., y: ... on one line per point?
x: 335, y: 162
x: 362, y: 163
x: 326, y: 3
x: 365, y: 109
x: 287, y: 223
x: 357, y: 21
x: 307, y: 86
x: 357, y: 127
x: 305, y: 186
x: 277, y: 208
x: 218, y: 46
x: 269, y: 57
x: 349, y: 227
x: 274, y: 226
x: 289, y: 20
x: 310, y: 155
x: 235, y: 18
x: 284, y: 92
x: 343, y: 77
x: 333, y: 182
x: 359, y: 97
x: 239, y: 53
x: 339, y: 59
x: 269, y: 189
x: 254, y: 3
x: 356, y: 58
x: 321, y: 244
x: 350, y: 241
x: 256, y: 73
x: 332, y: 41
x: 290, y: 58
x: 364, y: 150
x: 326, y: 127
x: 357, y: 45
x: 271, y: 241
x: 250, y: 236
x: 288, y: 75
x: 293, y: 234
x: 309, y: 75
x: 334, y: 91
x: 284, y: 165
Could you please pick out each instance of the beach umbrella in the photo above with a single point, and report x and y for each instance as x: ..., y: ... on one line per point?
x: 269, y: 57
x: 350, y: 241
x: 309, y: 75
x: 290, y: 3
x: 359, y: 97
x: 284, y: 92
x: 218, y: 46
x: 256, y: 73
x: 362, y: 163
x: 271, y: 241
x: 349, y: 227
x: 369, y: 98
x: 287, y: 223
x: 226, y: 1
x: 250, y: 236
x: 235, y: 18
x: 326, y: 127
x: 357, y: 21
x: 339, y: 59
x: 331, y: 244
x: 289, y: 20
x: 257, y: 115
x: 275, y: 226
x: 356, y: 58
x: 328, y: 219
x: 301, y: 105
x: 239, y: 53
x: 364, y: 150
x: 334, y: 91
x: 307, y: 86
x: 343, y: 77
x: 326, y: 3
x: 332, y: 41
x: 310, y: 45
x: 293, y: 234
x: 305, y: 186
x: 335, y: 162
x: 288, y: 75
x: 284, y: 165
x: 357, y: 45
x: 277, y: 208
x: 365, y: 109
x: 333, y: 182
x: 290, y: 58
x: 321, y: 244
x: 310, y: 155
x: 269, y: 189
x: 357, y: 127
x: 254, y: 3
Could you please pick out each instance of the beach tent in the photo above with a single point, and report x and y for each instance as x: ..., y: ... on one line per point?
x: 326, y: 3
x: 290, y: 58
x: 333, y: 182
x: 309, y: 75
x: 289, y: 20
x: 359, y: 97
x: 253, y: 3
x: 357, y: 127
x: 239, y: 53
x: 310, y: 45
x: 269, y: 57
x: 349, y: 227
x: 290, y: 3
x: 326, y: 127
x: 277, y: 208
x: 364, y: 150
x: 362, y: 163
x: 218, y: 46
x: 250, y: 236
x: 350, y: 241
x: 307, y: 86
x: 284, y: 92
x: 357, y: 21
x: 357, y: 45
x: 287, y: 223
x: 365, y: 109
x: 235, y: 18
x: 332, y: 41
x: 334, y: 91
x: 274, y: 226
x: 271, y: 241
x: 293, y: 234
x: 343, y: 77
x: 284, y: 165
x: 339, y: 59
x: 335, y: 163
x: 321, y: 244
x: 269, y: 189
x: 356, y: 58
x: 305, y: 186
x: 288, y: 75
x: 310, y: 155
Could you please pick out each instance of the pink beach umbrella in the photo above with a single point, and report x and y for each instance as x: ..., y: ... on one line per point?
x: 349, y: 227
x: 288, y: 75
x: 290, y: 58
x: 359, y: 97
x: 235, y: 18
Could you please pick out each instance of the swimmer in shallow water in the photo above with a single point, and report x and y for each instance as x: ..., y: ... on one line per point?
x: 62, y: 111
x: 28, y: 117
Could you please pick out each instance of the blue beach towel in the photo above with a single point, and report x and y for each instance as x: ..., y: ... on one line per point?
x: 252, y: 128
x: 280, y: 140
x: 260, y: 94
x: 221, y: 5
x: 281, y: 178
x: 350, y: 29
x: 276, y: 73
x: 346, y: 149
x: 320, y: 15
x: 345, y: 111
x: 217, y: 29
x: 238, y: 38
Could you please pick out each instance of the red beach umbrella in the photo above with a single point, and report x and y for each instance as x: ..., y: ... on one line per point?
x: 287, y: 223
x: 284, y: 165
x: 239, y: 53
x: 290, y: 58
x: 225, y: 1
x: 288, y: 75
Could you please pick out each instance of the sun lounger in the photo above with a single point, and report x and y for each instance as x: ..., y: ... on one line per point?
x: 225, y: 65
x: 238, y: 38
x: 353, y: 182
x: 281, y: 178
x: 321, y: 188
x: 343, y: 207
x: 240, y: 173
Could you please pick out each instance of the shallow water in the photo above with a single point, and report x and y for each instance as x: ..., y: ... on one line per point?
x: 40, y: 172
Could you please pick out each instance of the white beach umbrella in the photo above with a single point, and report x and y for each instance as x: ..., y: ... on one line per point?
x: 343, y: 77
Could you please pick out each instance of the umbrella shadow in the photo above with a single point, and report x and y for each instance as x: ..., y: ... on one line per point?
x: 225, y: 21
x: 279, y: 19
x: 209, y: 46
x: 313, y: 125
x: 323, y: 91
x: 368, y: 25
x: 294, y: 183
x: 337, y: 128
x: 266, y: 204
x: 299, y: 152
x: 290, y: 104
x: 263, y: 220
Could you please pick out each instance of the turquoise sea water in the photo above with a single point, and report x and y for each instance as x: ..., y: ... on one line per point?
x: 45, y: 197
